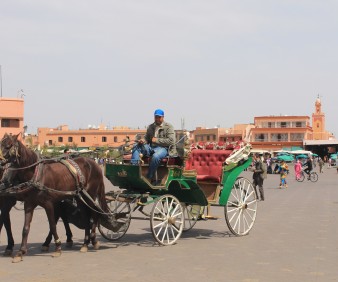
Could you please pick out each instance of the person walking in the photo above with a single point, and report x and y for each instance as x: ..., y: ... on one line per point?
x: 298, y: 169
x: 321, y: 165
x: 258, y: 176
x: 284, y: 169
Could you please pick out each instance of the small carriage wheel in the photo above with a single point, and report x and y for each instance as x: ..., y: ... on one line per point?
x: 314, y: 177
x: 301, y: 177
x: 121, y: 214
x: 167, y: 220
x: 241, y: 208
x: 191, y: 214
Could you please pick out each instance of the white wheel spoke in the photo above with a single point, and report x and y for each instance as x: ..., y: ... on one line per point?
x: 172, y: 216
x: 160, y: 224
x: 241, y: 207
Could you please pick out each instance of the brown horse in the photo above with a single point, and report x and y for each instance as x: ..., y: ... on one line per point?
x: 45, y: 183
x: 6, y: 204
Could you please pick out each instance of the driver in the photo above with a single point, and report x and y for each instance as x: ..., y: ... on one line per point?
x: 158, y: 143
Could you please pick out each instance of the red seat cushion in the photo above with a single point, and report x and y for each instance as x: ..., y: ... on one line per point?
x: 207, y: 163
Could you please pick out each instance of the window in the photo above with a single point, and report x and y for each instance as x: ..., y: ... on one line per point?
x: 115, y: 138
x: 50, y: 142
x: 279, y: 137
x: 104, y: 139
x: 70, y: 139
x: 261, y: 137
x: 271, y: 125
x: 317, y: 125
x: 208, y: 137
x: 10, y: 122
x: 5, y: 123
x: 300, y: 124
x: 60, y: 139
x: 83, y: 139
x: 296, y: 136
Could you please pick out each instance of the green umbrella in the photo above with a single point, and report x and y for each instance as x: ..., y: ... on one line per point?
x: 286, y: 158
x: 315, y: 155
x: 302, y: 156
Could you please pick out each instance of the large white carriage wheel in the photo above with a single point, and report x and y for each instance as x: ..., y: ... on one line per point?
x: 191, y: 214
x: 241, y: 208
x: 121, y: 214
x: 167, y: 220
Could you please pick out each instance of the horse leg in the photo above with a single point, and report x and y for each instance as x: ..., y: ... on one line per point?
x: 45, y: 245
x: 86, y: 242
x: 49, y: 208
x: 69, y: 233
x: 7, y: 224
x: 93, y: 239
x: 29, y: 211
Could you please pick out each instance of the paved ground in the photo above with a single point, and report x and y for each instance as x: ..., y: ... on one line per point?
x: 294, y: 239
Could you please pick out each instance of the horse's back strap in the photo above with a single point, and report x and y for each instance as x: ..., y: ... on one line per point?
x: 75, y: 170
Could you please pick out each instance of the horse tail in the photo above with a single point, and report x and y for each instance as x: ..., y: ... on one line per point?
x: 101, y: 196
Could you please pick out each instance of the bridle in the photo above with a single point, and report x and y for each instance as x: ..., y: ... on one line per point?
x: 12, y: 154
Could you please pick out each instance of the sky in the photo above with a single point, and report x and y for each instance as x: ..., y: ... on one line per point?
x: 209, y: 63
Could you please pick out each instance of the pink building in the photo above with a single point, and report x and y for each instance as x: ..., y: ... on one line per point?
x: 11, y: 116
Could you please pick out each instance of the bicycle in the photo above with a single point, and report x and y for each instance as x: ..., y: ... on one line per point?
x: 313, y: 176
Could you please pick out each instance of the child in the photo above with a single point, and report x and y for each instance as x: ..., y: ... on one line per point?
x: 284, y: 169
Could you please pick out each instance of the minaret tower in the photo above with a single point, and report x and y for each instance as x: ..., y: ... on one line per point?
x: 318, y: 122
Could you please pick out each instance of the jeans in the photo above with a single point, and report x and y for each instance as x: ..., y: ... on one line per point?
x: 156, y: 153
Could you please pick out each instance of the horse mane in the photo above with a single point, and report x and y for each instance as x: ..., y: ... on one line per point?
x: 26, y: 156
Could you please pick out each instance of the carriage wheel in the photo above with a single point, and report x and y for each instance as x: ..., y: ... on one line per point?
x: 191, y: 214
x: 314, y: 177
x: 167, y: 220
x: 121, y: 213
x: 301, y: 177
x: 241, y: 208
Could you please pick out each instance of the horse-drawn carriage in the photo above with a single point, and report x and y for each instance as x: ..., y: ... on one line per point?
x: 185, y: 186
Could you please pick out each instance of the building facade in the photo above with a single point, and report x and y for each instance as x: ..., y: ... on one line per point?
x: 84, y: 138
x: 276, y: 132
x: 11, y: 116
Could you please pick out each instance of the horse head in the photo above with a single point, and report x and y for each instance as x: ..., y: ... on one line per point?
x: 9, y: 147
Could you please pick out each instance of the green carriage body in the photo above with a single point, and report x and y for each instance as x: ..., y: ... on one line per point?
x: 182, y: 191
x: 178, y: 182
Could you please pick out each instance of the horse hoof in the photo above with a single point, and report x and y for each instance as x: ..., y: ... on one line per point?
x: 96, y: 245
x: 17, y: 259
x: 56, y: 254
x: 7, y: 253
x: 84, y: 249
x: 69, y: 244
x: 44, y: 248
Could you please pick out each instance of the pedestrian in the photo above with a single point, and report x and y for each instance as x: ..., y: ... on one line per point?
x: 283, y: 170
x: 298, y: 169
x: 321, y: 164
x: 258, y: 175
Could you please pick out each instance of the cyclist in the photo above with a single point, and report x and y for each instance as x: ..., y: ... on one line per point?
x: 308, y: 167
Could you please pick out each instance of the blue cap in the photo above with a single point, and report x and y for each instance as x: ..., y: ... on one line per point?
x: 159, y: 112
